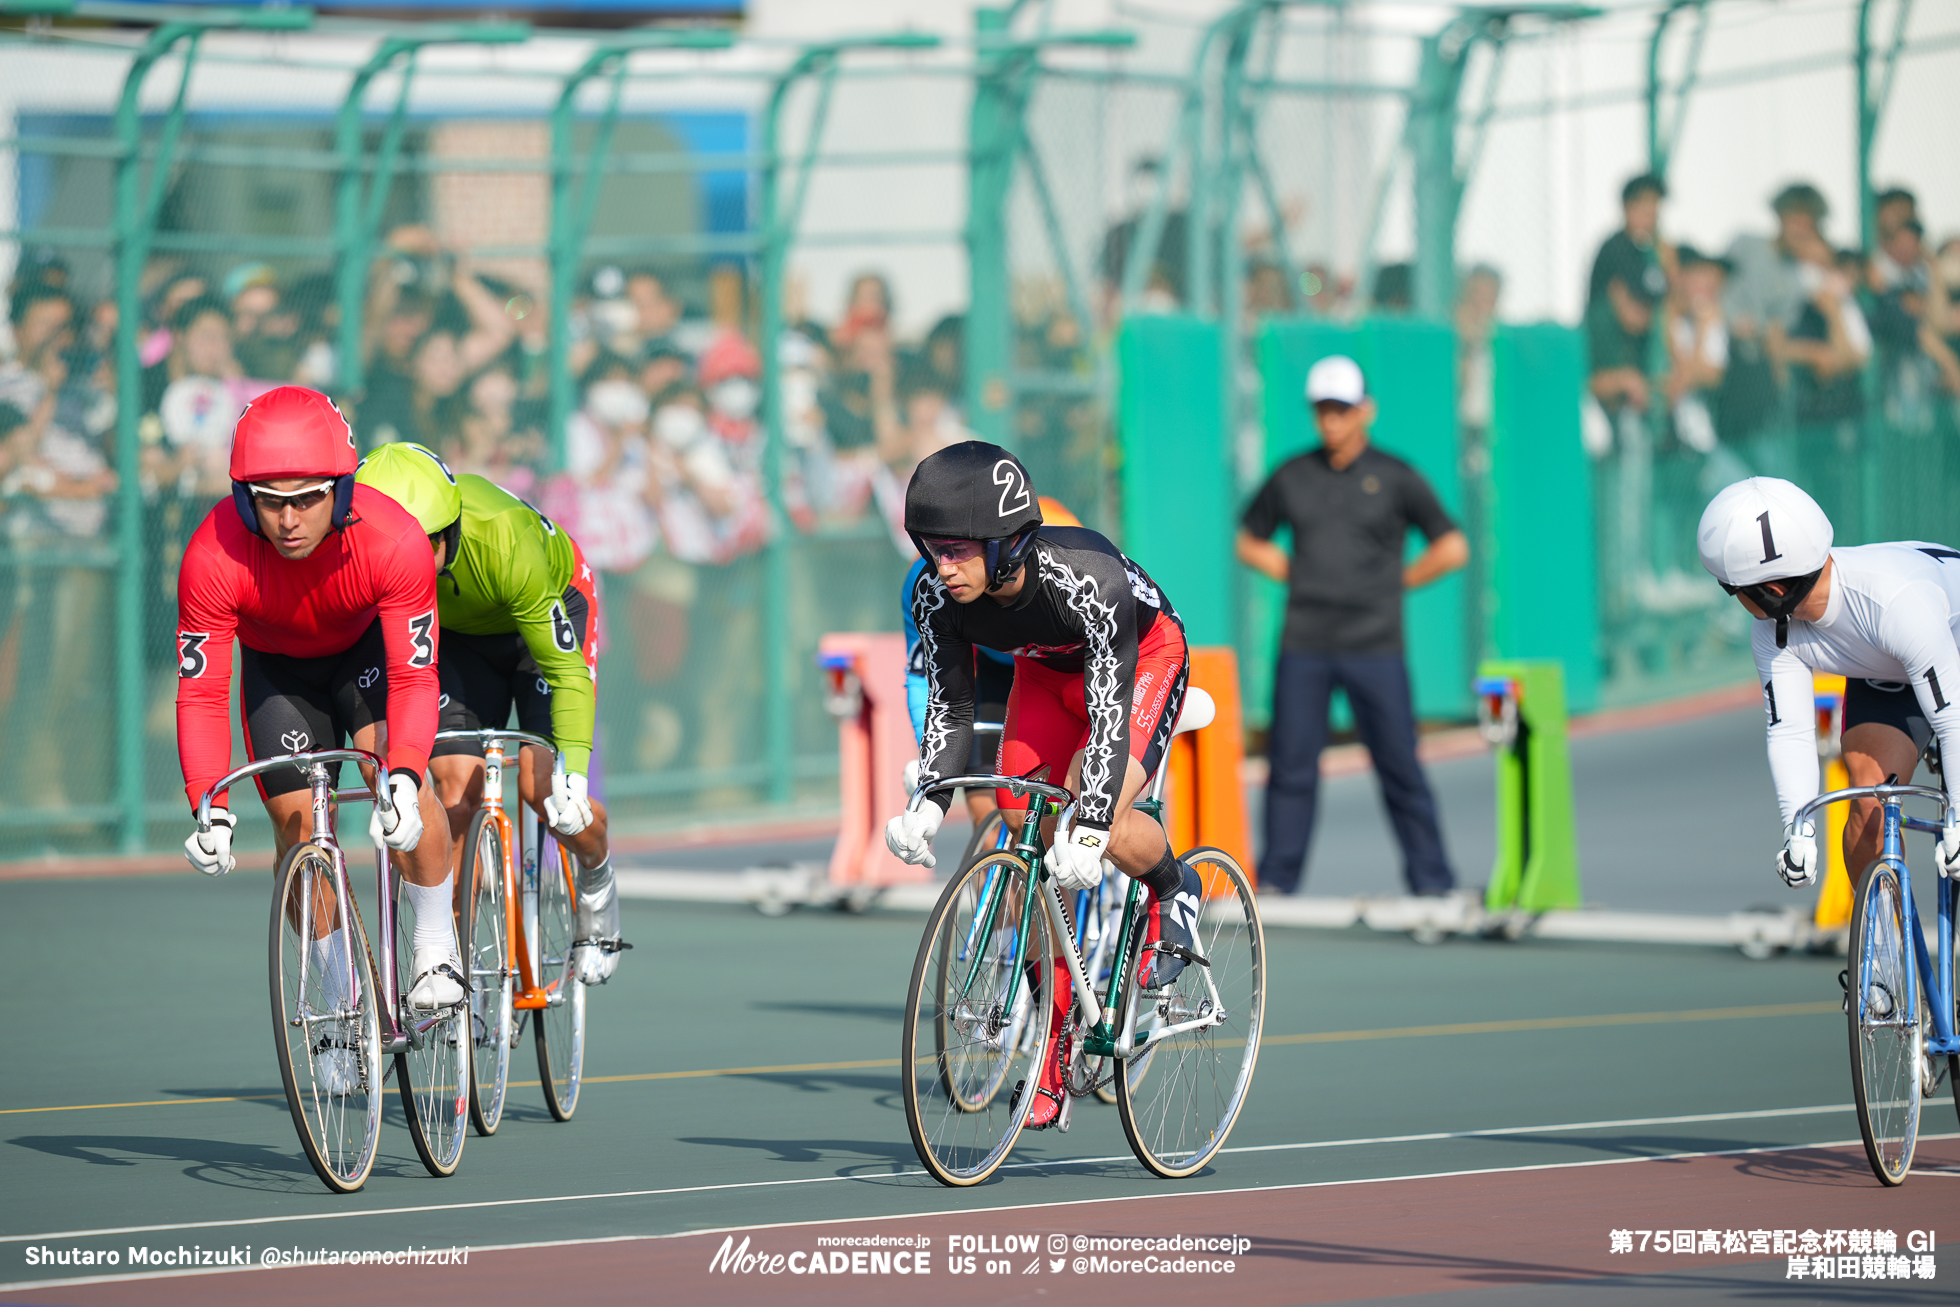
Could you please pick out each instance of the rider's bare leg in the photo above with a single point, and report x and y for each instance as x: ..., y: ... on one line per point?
x: 534, y: 787
x: 1872, y: 751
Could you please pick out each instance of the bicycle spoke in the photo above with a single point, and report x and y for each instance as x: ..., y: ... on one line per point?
x: 326, y: 1029
x: 1886, y: 1038
x: 976, y: 1020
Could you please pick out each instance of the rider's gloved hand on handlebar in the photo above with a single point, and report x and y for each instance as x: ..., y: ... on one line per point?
x: 568, y: 810
x: 210, y: 851
x: 909, y: 834
x: 1950, y: 845
x: 1076, y: 859
x: 1797, y: 862
x: 401, y: 828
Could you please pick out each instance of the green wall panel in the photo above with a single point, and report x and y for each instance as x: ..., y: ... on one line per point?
x: 1543, y: 575
x: 1179, y: 505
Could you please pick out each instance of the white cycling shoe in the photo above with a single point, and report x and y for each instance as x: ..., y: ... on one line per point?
x: 438, y: 978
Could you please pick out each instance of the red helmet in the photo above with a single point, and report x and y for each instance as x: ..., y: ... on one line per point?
x: 291, y: 431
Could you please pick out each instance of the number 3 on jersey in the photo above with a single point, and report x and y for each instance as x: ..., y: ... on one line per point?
x: 191, y: 661
x: 421, y: 638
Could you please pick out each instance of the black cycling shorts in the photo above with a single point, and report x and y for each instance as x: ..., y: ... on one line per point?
x: 293, y: 705
x: 483, y: 677
x: 1889, y: 703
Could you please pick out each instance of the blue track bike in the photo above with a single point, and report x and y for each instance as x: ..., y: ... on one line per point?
x: 1899, y: 994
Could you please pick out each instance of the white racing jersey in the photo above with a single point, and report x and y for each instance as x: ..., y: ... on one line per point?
x: 1893, y: 616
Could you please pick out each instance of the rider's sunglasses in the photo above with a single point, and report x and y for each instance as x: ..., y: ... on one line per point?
x: 952, y: 551
x: 300, y: 500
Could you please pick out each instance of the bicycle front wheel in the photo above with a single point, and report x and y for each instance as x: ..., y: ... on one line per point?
x: 561, y: 1025
x: 977, y: 1014
x: 986, y: 838
x: 1887, y: 1043
x: 493, y: 1027
x: 1183, y: 1087
x: 434, y: 1070
x: 326, y: 1027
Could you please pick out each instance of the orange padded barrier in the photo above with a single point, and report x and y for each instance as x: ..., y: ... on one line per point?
x: 1204, y: 793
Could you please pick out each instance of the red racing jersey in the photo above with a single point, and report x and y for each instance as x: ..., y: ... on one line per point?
x: 233, y: 583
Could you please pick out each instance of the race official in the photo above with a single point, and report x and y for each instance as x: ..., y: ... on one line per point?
x: 1350, y: 508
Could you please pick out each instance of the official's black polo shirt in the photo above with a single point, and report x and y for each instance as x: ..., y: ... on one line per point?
x: 1349, y: 533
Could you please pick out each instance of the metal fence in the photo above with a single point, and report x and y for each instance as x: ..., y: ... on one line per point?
x: 583, y: 267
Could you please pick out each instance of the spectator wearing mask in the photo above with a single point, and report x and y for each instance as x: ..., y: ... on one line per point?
x: 490, y: 439
x: 1697, y: 337
x: 1629, y: 279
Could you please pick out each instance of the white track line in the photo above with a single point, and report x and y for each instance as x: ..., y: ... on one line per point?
x: 879, y: 1179
x: 25, y: 1286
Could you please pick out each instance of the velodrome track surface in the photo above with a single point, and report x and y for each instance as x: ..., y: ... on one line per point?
x: 1463, y: 1124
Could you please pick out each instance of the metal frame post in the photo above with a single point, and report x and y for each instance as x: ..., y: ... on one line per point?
x: 997, y: 142
x: 572, y: 209
x: 358, y: 209
x: 1871, y: 109
x: 135, y: 214
x: 778, y: 231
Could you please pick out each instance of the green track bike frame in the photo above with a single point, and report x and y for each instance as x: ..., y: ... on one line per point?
x: 1000, y: 953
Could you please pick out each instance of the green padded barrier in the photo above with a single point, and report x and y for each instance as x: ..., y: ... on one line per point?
x: 1543, y: 574
x: 1411, y: 370
x: 1537, y: 863
x: 1178, y: 500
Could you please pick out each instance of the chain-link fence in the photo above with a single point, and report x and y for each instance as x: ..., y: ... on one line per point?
x: 558, y: 260
x: 387, y: 220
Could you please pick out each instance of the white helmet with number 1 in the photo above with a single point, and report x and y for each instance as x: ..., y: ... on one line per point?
x: 1765, y: 531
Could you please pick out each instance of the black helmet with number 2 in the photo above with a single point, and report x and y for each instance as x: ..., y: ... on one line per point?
x: 975, y: 491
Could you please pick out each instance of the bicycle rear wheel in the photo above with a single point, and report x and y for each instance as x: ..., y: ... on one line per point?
x: 434, y: 1071
x: 326, y: 1028
x: 492, y: 1025
x: 1883, y: 1017
x: 964, y: 1038
x: 1181, y: 1092
x: 561, y: 1025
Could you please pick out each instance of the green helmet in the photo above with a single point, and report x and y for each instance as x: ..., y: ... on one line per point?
x: 417, y: 479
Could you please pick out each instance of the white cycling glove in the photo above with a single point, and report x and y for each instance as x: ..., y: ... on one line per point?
x: 912, y: 777
x: 1950, y: 845
x: 568, y: 811
x: 1796, y: 863
x: 210, y: 851
x: 909, y: 834
x: 1075, y: 860
x: 400, y: 829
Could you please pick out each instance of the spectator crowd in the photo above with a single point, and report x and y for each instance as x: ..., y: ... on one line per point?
x: 660, y: 472
x: 1785, y: 331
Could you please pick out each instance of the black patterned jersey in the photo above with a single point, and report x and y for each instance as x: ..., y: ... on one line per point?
x: 1082, y: 609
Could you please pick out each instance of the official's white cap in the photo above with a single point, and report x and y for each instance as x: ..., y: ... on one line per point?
x: 1336, y: 377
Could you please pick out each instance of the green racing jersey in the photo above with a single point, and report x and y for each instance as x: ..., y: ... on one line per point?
x: 510, y: 574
